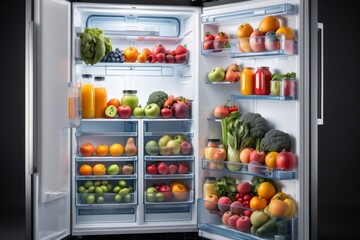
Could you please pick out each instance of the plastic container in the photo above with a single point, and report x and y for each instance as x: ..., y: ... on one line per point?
x: 275, y: 87
x: 129, y: 98
x: 209, y: 186
x: 211, y: 146
x: 262, y: 81
x: 247, y: 81
x: 87, y: 96
x: 100, y: 97
x: 74, y: 104
x: 288, y: 87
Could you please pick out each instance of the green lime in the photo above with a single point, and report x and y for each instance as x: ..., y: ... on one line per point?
x: 99, y: 190
x: 104, y: 188
x: 117, y: 198
x: 88, y: 184
x: 100, y: 199
x: 91, y: 189
x: 122, y: 183
x: 116, y: 189
x: 81, y: 189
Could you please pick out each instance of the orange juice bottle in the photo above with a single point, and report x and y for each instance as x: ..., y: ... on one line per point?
x: 87, y: 97
x: 100, y: 97
x: 247, y: 81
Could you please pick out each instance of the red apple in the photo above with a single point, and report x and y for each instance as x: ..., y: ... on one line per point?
x: 248, y: 212
x: 224, y: 203
x: 219, y: 154
x: 244, y: 187
x: 163, y: 168
x: 232, y: 221
x: 225, y: 217
x: 237, y: 207
x: 208, y: 45
x: 166, y: 191
x: 208, y: 36
x: 180, y: 49
x: 245, y: 155
x: 169, y: 58
x: 170, y: 52
x: 286, y: 160
x: 124, y: 111
x: 173, y: 168
x: 186, y: 148
x: 257, y: 155
x: 180, y: 58
x: 160, y: 57
x: 243, y: 224
x: 257, y: 41
x: 166, y: 113
x: 180, y: 110
x: 159, y: 48
x: 183, y: 168
x: 211, y: 201
x: 220, y: 112
x: 151, y: 169
x: 231, y: 76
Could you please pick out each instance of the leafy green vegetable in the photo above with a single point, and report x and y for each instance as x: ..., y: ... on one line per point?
x: 158, y: 97
x: 278, y: 77
x: 93, y: 45
x: 276, y: 141
x: 258, y: 126
x: 226, y: 186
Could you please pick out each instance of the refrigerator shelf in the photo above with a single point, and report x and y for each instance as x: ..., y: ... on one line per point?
x: 261, y: 171
x: 170, y: 158
x: 123, y: 134
x: 262, y: 97
x: 169, y: 176
x: 106, y: 159
x: 235, y: 17
x: 186, y: 197
x: 222, y: 83
x: 108, y: 200
x: 106, y: 177
x: 149, y: 134
x: 211, y: 221
x: 219, y: 52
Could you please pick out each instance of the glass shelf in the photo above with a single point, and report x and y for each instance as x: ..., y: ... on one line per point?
x: 222, y: 83
x: 262, y: 97
x: 169, y: 158
x: 106, y: 159
x: 106, y: 177
x: 261, y: 171
x: 149, y: 134
x: 220, y: 52
x: 169, y: 176
x: 123, y: 134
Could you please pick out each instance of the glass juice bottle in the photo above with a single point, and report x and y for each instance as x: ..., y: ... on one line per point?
x: 129, y: 98
x: 209, y: 186
x: 247, y: 81
x: 100, y: 97
x: 262, y: 81
x: 87, y: 97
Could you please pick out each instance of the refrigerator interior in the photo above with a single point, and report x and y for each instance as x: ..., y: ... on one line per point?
x: 141, y: 27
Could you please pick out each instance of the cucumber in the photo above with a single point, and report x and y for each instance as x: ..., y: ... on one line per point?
x: 267, y: 228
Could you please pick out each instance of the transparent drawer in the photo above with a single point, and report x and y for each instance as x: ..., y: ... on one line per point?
x: 168, y: 169
x: 156, y: 198
x: 262, y: 46
x: 91, y: 199
x: 212, y: 221
x: 254, y: 170
x: 106, y: 170
x: 167, y: 212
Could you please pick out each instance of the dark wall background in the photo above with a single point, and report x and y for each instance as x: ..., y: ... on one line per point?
x: 339, y: 163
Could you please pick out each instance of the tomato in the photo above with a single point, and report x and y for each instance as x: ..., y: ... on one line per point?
x: 87, y: 149
x: 221, y: 40
x: 208, y: 36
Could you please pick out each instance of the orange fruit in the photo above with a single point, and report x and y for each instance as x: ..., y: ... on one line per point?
x: 278, y: 208
x: 99, y: 169
x: 146, y: 51
x: 87, y: 149
x: 85, y: 169
x: 266, y: 190
x: 131, y: 54
x: 114, y: 101
x: 258, y: 203
x: 142, y: 57
x: 244, y: 30
x: 288, y: 32
x: 269, y: 23
x: 270, y: 159
x: 116, y: 149
x: 102, y: 150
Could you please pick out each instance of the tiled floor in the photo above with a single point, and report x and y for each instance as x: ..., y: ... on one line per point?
x: 155, y: 236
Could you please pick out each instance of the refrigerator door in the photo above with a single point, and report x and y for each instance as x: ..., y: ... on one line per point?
x: 51, y: 132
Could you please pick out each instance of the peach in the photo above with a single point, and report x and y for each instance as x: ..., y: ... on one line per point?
x: 236, y: 207
x: 245, y: 155
x: 225, y: 217
x: 224, y: 203
x: 211, y: 201
x: 232, y: 220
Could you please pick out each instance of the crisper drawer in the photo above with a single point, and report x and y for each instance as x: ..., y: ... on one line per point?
x: 211, y: 219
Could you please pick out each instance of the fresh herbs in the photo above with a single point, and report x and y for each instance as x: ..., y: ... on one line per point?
x: 226, y: 186
x: 278, y: 77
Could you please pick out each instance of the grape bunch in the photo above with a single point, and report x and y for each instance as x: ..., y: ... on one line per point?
x: 114, y: 56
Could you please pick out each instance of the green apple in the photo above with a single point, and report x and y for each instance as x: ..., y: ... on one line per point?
x: 104, y: 188
x: 99, y: 190
x: 139, y: 112
x: 104, y: 182
x: 91, y: 189
x: 175, y: 146
x: 117, y: 198
x: 100, y: 199
x: 151, y: 194
x: 113, y: 169
x: 152, y: 110
x: 127, y: 198
x: 152, y: 148
x: 180, y: 138
x: 122, y: 183
x: 164, y: 140
x: 258, y: 218
x: 97, y: 183
x: 90, y: 199
x: 116, y: 189
x: 216, y: 75
x: 81, y: 189
x: 88, y: 184
x: 159, y: 197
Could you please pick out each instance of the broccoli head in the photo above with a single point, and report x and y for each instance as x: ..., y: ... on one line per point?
x: 258, y: 124
x: 276, y: 141
x: 158, y: 97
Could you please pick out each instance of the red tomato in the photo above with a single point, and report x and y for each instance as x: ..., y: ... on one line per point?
x: 221, y: 40
x: 208, y: 36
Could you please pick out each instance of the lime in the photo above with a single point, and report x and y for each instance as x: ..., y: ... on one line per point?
x: 81, y: 189
x: 88, y: 184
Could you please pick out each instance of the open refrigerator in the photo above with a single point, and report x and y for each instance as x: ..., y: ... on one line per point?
x: 60, y: 210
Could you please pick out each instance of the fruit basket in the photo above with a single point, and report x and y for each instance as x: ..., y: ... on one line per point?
x: 267, y: 45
